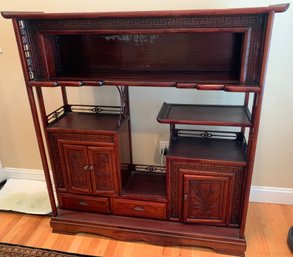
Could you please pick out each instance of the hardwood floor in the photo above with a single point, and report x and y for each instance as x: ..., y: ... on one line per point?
x: 266, y: 235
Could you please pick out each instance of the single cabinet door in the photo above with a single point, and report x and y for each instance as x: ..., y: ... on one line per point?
x: 207, y: 198
x: 103, y: 170
x: 76, y: 160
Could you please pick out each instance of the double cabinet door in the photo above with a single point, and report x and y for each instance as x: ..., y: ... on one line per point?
x: 89, y: 169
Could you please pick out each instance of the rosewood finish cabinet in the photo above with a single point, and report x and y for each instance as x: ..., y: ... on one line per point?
x: 200, y: 197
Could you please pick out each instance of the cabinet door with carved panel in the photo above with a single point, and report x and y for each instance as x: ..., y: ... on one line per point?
x: 77, y: 168
x: 207, y: 197
x: 103, y: 174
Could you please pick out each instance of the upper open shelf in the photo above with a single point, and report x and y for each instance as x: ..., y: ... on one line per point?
x: 206, y: 50
x: 189, y: 56
x: 209, y: 59
x: 213, y: 115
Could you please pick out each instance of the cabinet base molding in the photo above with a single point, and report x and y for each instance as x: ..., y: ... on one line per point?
x: 220, y: 239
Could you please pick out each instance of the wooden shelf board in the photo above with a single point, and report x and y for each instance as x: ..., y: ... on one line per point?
x: 209, y: 150
x: 172, y: 77
x: 213, y: 115
x: 146, y: 185
x: 153, y: 81
x: 74, y: 121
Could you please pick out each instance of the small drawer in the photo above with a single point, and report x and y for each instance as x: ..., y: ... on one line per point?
x: 152, y: 210
x: 84, y: 203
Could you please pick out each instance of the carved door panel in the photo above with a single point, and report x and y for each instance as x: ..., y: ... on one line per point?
x: 207, y: 197
x: 103, y: 169
x: 77, y: 168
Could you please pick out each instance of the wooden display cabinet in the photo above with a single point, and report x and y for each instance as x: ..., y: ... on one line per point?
x: 201, y: 196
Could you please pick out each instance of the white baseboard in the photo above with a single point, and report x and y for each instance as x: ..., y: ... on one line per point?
x: 261, y: 194
x: 278, y: 195
x: 29, y: 174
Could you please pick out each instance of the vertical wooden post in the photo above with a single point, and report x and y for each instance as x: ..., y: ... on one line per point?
x: 64, y: 98
x: 129, y: 125
x: 246, y: 101
x: 256, y: 111
x: 42, y: 150
x: 34, y: 112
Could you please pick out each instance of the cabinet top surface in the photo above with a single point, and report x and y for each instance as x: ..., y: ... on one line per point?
x: 252, y: 10
x: 86, y: 122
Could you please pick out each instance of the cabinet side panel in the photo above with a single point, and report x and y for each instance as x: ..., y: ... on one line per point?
x: 58, y: 168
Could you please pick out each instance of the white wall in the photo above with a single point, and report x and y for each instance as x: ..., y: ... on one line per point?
x: 18, y: 146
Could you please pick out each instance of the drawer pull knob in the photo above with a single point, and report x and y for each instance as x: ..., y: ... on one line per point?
x: 138, y: 208
x: 91, y: 167
x: 85, y: 167
x: 83, y: 203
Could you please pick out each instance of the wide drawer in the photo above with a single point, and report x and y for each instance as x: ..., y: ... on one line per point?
x: 153, y: 210
x: 84, y: 203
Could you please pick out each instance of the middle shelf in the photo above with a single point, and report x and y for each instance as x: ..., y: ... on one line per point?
x: 213, y: 115
x: 146, y: 185
x: 209, y: 150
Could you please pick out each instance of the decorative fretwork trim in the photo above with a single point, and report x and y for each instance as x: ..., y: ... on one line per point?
x: 57, y: 114
x: 124, y: 111
x: 150, y: 168
x: 26, y: 48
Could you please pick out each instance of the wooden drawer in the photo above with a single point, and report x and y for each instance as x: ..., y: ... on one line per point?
x: 84, y: 203
x: 153, y: 210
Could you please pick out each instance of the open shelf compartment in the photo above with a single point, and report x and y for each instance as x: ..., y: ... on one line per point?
x: 213, y: 115
x: 229, y: 151
x: 139, y: 55
x: 145, y: 185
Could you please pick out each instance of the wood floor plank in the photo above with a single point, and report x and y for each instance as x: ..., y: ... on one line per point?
x: 22, y: 229
x: 288, y: 214
x: 266, y: 234
x: 40, y: 234
x: 255, y: 236
x: 111, y: 247
x: 87, y: 244
x: 276, y: 230
x: 7, y: 221
x: 167, y: 251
